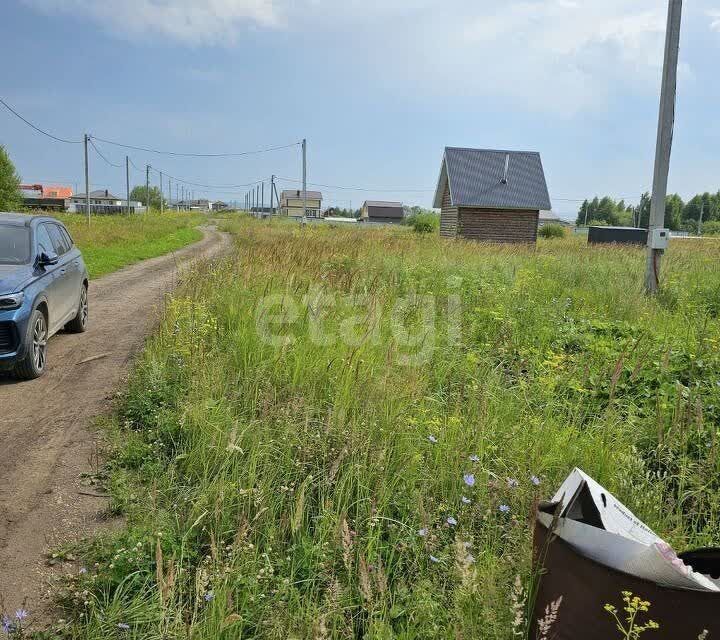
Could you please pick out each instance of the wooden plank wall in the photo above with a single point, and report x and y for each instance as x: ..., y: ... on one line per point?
x: 502, y: 226
x: 448, y: 217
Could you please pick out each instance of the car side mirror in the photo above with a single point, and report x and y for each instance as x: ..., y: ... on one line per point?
x: 48, y: 259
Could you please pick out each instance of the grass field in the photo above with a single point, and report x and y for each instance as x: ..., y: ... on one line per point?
x: 342, y: 432
x: 113, y: 242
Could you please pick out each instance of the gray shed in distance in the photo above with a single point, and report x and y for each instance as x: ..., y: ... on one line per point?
x: 382, y: 211
x: 491, y: 195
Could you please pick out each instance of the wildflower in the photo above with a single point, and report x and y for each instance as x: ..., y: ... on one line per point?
x: 535, y: 480
x: 83, y: 570
x: 451, y: 521
x: 434, y: 559
x: 209, y: 596
x: 469, y: 559
x: 513, y: 483
x: 474, y: 458
x: 7, y: 626
x: 469, y: 479
x: 422, y: 532
x: 123, y: 627
x: 21, y: 614
x: 432, y: 439
x: 466, y: 500
x: 504, y: 508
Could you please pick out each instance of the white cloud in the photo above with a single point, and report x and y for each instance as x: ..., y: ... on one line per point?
x: 714, y: 15
x: 564, y: 55
x: 190, y: 21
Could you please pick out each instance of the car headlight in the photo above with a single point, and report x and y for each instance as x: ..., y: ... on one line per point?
x: 11, y: 301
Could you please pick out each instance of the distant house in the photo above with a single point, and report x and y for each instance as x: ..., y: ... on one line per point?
x: 291, y: 203
x: 102, y: 201
x: 548, y: 217
x: 490, y: 195
x: 46, y: 197
x: 380, y: 211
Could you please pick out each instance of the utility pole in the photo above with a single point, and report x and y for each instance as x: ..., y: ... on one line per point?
x: 304, y: 161
x: 257, y: 200
x: 666, y: 120
x: 162, y: 206
x: 169, y: 194
x: 700, y: 219
x: 147, y: 188
x: 127, y: 182
x: 272, y: 202
x: 262, y: 201
x: 87, y: 181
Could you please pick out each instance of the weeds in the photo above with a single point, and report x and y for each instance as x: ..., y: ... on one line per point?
x: 292, y: 464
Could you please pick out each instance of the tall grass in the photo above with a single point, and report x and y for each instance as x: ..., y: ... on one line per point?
x: 366, y: 487
x: 115, y: 241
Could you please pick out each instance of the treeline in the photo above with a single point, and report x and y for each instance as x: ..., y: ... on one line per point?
x: 679, y: 215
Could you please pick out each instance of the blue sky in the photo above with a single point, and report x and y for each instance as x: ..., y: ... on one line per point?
x: 377, y: 88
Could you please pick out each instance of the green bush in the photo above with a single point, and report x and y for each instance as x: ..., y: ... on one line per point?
x: 711, y: 228
x: 425, y: 222
x: 552, y: 231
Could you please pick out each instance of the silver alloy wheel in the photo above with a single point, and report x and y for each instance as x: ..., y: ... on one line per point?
x: 40, y: 342
x: 84, y: 311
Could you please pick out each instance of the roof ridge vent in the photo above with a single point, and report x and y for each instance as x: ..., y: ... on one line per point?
x: 507, y: 166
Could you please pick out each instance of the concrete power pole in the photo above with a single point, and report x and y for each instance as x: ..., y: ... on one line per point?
x: 262, y: 201
x: 127, y: 182
x: 87, y: 181
x: 700, y: 219
x: 304, y: 161
x: 162, y: 204
x: 272, y: 202
x: 147, y: 188
x: 666, y: 121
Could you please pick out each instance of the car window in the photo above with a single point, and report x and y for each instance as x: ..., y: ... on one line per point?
x: 58, y: 240
x: 43, y: 241
x: 68, y: 238
x: 14, y: 244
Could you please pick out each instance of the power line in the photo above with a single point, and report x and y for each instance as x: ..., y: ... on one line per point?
x: 208, y: 186
x: 112, y: 164
x: 38, y: 129
x: 198, y: 155
x: 334, y: 186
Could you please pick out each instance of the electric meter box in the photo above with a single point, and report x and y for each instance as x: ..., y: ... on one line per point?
x: 659, y: 238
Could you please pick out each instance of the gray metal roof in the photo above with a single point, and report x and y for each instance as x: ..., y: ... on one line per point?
x: 298, y: 193
x: 382, y: 203
x: 476, y: 176
x: 99, y: 194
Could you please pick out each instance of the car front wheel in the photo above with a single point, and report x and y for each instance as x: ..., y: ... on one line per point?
x: 36, y: 339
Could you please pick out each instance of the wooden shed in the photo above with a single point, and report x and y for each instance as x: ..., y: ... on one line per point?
x: 491, y: 195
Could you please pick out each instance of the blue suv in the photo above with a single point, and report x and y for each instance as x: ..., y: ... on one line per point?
x: 43, y: 289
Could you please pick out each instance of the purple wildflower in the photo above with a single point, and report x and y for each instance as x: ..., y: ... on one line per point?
x: 469, y: 559
x: 7, y: 626
x: 422, y: 532
x: 466, y: 500
x: 83, y: 570
x: 503, y: 508
x: 469, y: 479
x: 474, y: 458
x: 535, y: 480
x: 432, y: 439
x: 21, y: 614
x: 513, y: 483
x: 123, y: 627
x: 434, y: 559
x: 451, y: 521
x: 209, y: 596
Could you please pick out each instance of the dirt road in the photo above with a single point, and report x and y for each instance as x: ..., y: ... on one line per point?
x: 46, y: 438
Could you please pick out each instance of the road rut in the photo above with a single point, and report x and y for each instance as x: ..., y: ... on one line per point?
x: 46, y: 436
